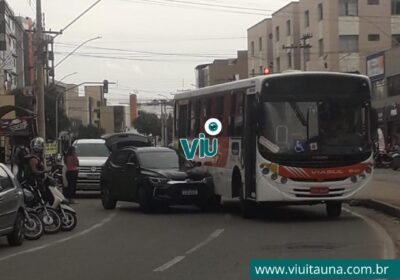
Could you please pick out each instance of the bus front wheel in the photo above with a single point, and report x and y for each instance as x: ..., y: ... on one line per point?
x: 334, y: 209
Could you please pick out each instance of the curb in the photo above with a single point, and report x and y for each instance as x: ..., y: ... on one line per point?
x: 379, y: 205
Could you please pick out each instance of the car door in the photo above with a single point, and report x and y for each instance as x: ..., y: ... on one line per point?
x: 117, y: 165
x: 130, y: 175
x: 8, y: 200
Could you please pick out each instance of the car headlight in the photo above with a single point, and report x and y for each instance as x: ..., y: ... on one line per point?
x: 158, y: 181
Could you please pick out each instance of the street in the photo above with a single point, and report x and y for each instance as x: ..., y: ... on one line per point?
x: 184, y: 243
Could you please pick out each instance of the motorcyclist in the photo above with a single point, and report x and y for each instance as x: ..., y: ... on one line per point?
x: 36, y: 168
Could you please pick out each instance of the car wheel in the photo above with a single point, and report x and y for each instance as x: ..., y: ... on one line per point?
x: 107, y: 200
x: 16, y: 238
x: 334, y: 209
x: 145, y: 200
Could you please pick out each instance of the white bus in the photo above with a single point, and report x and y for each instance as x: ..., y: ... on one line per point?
x: 291, y: 138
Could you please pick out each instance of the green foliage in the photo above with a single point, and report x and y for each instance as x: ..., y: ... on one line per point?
x: 89, y: 132
x: 148, y: 123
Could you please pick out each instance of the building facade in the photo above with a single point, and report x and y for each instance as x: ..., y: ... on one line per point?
x: 334, y: 35
x: 286, y: 38
x: 114, y: 119
x: 76, y: 106
x: 384, y: 72
x: 96, y: 102
x: 222, y: 70
x: 259, y: 44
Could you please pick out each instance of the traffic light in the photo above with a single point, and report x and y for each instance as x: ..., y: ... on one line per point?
x: 266, y: 71
x: 105, y: 86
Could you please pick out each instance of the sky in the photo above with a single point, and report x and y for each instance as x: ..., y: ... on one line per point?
x: 147, y: 47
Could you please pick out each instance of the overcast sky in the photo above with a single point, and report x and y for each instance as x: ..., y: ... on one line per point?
x: 148, y: 46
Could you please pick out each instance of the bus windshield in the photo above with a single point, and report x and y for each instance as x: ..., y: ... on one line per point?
x: 314, y: 128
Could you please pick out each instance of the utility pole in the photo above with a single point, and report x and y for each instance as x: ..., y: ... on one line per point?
x: 41, y: 122
x: 305, y: 46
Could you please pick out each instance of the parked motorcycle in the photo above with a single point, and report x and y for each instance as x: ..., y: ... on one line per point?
x: 33, y: 225
x: 49, y: 216
x: 388, y: 159
x: 60, y: 203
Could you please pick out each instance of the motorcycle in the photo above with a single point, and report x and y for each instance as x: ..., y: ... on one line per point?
x: 49, y: 216
x: 390, y: 159
x: 60, y: 203
x: 32, y: 223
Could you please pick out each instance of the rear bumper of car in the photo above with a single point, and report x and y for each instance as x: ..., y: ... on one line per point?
x: 181, y: 192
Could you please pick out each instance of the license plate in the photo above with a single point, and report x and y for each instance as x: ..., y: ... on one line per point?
x: 190, y: 192
x: 319, y: 190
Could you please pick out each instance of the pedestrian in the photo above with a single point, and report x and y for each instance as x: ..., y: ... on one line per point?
x: 21, y: 152
x: 71, y: 162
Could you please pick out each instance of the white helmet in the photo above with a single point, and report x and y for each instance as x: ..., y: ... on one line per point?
x: 37, y: 145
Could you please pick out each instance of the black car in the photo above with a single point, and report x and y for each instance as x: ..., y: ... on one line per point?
x: 152, y: 176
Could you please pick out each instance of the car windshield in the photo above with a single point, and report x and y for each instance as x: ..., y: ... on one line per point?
x: 92, y: 150
x: 323, y: 127
x: 159, y: 160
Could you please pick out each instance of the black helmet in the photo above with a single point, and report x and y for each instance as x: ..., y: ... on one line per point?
x: 37, y: 145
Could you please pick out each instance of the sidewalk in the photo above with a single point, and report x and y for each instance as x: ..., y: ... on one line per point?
x: 386, y: 192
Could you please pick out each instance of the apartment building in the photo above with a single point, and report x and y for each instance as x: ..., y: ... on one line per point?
x: 114, y: 119
x: 334, y: 35
x: 222, y: 70
x: 96, y: 101
x: 259, y: 45
x: 286, y: 38
x: 384, y: 72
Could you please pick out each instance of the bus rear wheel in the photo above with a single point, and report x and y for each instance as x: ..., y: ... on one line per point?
x: 334, y: 209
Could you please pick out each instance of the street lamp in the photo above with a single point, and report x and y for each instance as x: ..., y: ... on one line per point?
x: 74, y: 50
x: 66, y: 76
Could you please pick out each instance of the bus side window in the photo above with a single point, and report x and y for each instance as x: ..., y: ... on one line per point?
x: 236, y: 117
x: 195, y: 118
x: 182, y: 121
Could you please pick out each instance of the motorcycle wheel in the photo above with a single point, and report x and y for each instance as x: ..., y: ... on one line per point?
x: 396, y: 163
x: 69, y: 221
x: 51, y: 222
x: 33, y: 227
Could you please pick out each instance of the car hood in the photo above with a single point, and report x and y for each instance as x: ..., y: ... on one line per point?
x: 196, y: 174
x: 172, y: 174
x: 91, y: 161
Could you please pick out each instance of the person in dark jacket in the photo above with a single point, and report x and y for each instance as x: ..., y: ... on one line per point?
x: 71, y: 162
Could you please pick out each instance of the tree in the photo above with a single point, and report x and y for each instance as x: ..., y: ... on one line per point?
x: 89, y: 132
x: 148, y: 123
x: 50, y: 96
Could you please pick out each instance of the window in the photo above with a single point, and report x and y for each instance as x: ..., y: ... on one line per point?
x: 321, y: 47
x: 395, y: 7
x: 277, y: 33
x: 307, y: 54
x: 195, y: 117
x: 253, y: 72
x: 183, y: 121
x: 307, y: 18
x: 373, y: 2
x: 252, y: 48
x: 395, y: 40
x: 5, y: 181
x: 278, y: 64
x: 261, y: 70
x: 320, y: 12
x: 373, y: 37
x: 270, y: 36
x: 260, y: 44
x: 348, y: 43
x: 289, y: 60
x: 288, y: 29
x: 348, y: 7
x: 236, y: 114
x: 393, y: 85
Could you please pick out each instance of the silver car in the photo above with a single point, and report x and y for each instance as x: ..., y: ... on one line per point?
x: 11, y: 207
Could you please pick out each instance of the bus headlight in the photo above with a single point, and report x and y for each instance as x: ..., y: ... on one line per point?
x: 274, y: 176
x: 284, y: 180
x: 265, y: 171
x: 353, y: 179
x: 368, y: 170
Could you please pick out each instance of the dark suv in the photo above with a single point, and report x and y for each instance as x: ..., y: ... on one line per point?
x: 151, y: 176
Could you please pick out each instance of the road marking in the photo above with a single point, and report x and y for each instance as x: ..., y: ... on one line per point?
x: 81, y: 233
x: 388, y: 250
x: 178, y: 259
x: 170, y: 263
x: 212, y: 236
